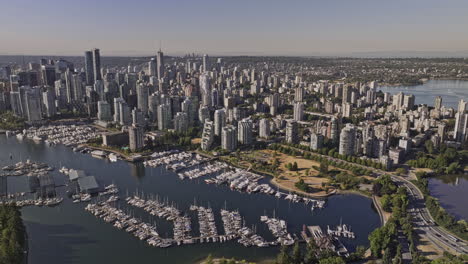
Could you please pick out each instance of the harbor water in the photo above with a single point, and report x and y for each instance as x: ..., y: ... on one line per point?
x: 451, y: 191
x: 451, y: 91
x: 69, y: 234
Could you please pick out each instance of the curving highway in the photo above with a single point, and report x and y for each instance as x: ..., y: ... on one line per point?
x: 424, y: 223
x: 422, y: 219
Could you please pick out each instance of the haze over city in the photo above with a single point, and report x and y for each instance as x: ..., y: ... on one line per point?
x: 287, y: 28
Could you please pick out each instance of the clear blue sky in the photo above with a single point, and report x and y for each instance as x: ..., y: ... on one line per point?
x: 232, y: 27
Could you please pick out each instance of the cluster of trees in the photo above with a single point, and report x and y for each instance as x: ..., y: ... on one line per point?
x: 446, y: 161
x: 301, y: 185
x: 175, y: 138
x: 292, y: 166
x: 210, y: 260
x: 308, y: 154
x: 384, y: 240
x: 12, y: 235
x: 460, y: 228
x: 384, y: 186
x: 345, y: 181
x: 312, y: 254
x: 452, y: 259
x: 8, y: 121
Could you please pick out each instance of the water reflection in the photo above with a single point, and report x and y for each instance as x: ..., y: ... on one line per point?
x: 137, y: 170
x: 451, y: 190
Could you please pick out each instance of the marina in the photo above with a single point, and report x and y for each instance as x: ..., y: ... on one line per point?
x: 245, y: 235
x: 68, y: 135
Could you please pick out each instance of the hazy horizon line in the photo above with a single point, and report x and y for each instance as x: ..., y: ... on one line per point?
x: 357, y: 54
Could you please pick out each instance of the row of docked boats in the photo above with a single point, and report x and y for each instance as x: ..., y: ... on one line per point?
x: 161, y: 209
x: 342, y: 230
x: 69, y: 135
x: 278, y: 228
x: 233, y: 228
x: 168, y: 160
x: 34, y: 202
x: 29, y: 168
x: 203, y: 170
x: 123, y: 221
x: 206, y: 222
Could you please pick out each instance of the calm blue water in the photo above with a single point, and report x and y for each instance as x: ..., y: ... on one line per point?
x: 451, y: 190
x: 450, y: 90
x: 68, y: 234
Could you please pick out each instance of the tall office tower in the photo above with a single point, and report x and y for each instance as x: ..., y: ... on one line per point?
x: 462, y: 106
x: 153, y: 102
x: 438, y: 102
x: 207, y: 135
x: 123, y: 91
x: 253, y: 75
x: 370, y: 97
x: 104, y: 111
x: 461, y: 124
x: 89, y: 68
x: 142, y: 91
x: 347, y: 140
x: 189, y: 110
x: 299, y: 94
x: 264, y: 128
x: 125, y: 114
x: 404, y: 124
x: 367, y: 132
x: 164, y: 117
x: 347, y: 94
x: 219, y: 121
x: 334, y: 130
x: 48, y: 75
x: 244, y: 131
x: 215, y: 98
x: 203, y: 114
x: 181, y: 122
x: 299, y: 111
x: 346, y: 110
x: 408, y: 102
x: 255, y: 88
x: 99, y: 89
x: 91, y: 100
x: 48, y: 100
x: 77, y: 86
x: 398, y: 100
x: 131, y: 80
x: 160, y: 64
x: 441, y: 131
x: 138, y: 119
x: 136, y: 137
x: 117, y: 105
x: 229, y: 138
x: 69, y: 87
x: 152, y: 67
x: 15, y: 102
x: 205, y: 90
x: 379, y: 148
x: 32, y: 103
x: 96, y: 65
x: 292, y: 132
x: 316, y: 141
x: 61, y: 92
x: 273, y: 102
x: 358, y: 143
x: 206, y: 63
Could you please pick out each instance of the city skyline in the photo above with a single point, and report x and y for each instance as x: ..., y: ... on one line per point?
x: 336, y: 28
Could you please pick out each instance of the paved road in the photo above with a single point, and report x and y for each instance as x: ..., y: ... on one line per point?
x: 424, y: 223
x: 422, y: 219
